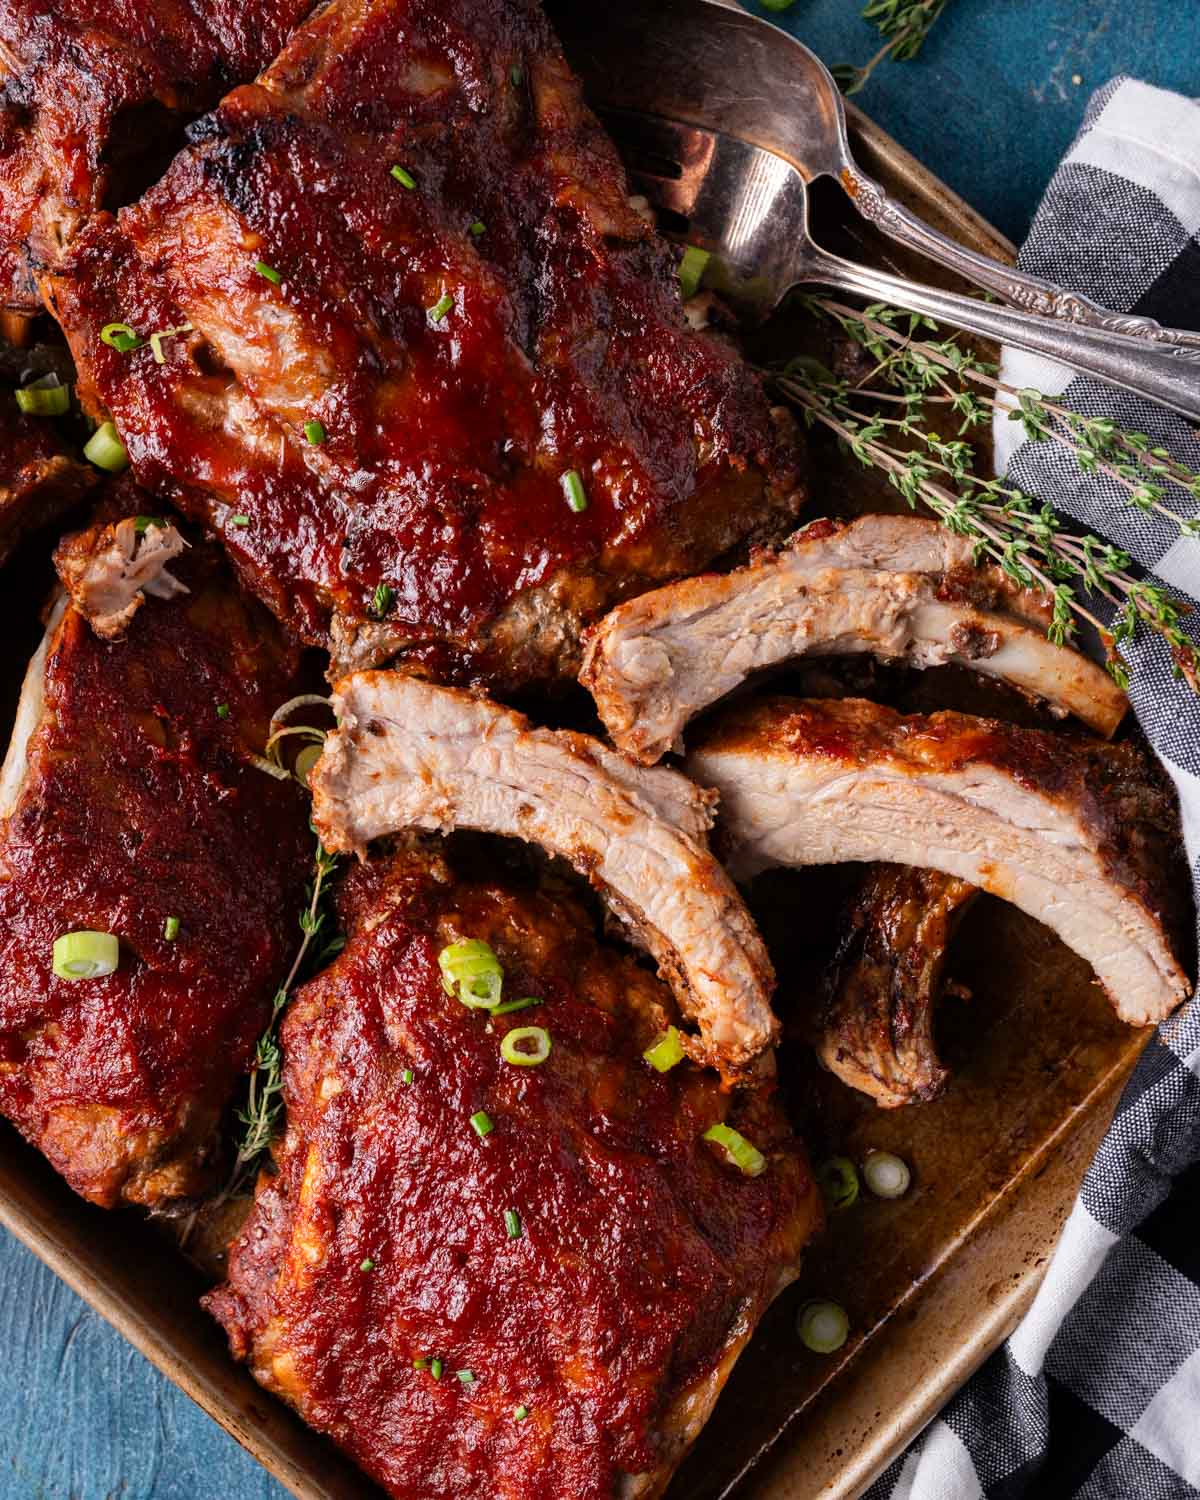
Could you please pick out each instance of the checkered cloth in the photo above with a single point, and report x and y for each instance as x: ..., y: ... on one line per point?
x: 1097, y: 1393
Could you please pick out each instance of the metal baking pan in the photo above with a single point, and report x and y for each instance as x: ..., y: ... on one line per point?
x: 932, y: 1282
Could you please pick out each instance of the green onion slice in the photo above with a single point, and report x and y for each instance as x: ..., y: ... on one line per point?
x: 481, y: 1123
x: 407, y: 1076
x: 121, y: 337
x: 171, y: 929
x: 44, y: 398
x: 239, y: 521
x: 886, y: 1175
x: 691, y: 271
x: 472, y: 973
x: 105, y: 449
x: 466, y: 1376
x: 823, y: 1326
x: 314, y: 432
x: 86, y: 955
x: 520, y: 1413
x: 526, y: 1046
x: 222, y: 710
x: 572, y: 484
x: 747, y: 1158
x: 367, y: 1265
x: 381, y: 600
x: 510, y: 1005
x: 512, y: 1223
x: 420, y: 1364
x: 269, y: 272
x: 435, y: 1369
x: 838, y: 1182
x: 441, y: 307
x: 305, y: 762
x: 665, y: 1052
x: 142, y: 524
x: 477, y: 228
x: 405, y: 179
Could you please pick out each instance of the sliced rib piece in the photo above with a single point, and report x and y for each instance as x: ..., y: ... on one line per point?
x: 110, y: 568
x: 1082, y: 835
x: 127, y: 799
x: 641, y: 1259
x: 408, y: 754
x: 899, y: 587
x: 876, y: 1031
x: 96, y: 94
x: 514, y: 425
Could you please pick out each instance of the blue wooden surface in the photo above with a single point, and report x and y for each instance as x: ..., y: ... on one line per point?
x: 989, y: 106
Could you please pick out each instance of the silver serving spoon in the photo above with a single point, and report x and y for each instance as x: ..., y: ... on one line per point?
x: 724, y: 119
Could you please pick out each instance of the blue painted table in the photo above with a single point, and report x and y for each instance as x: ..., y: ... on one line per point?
x: 990, y: 106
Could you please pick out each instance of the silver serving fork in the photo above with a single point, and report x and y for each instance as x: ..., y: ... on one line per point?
x: 723, y: 121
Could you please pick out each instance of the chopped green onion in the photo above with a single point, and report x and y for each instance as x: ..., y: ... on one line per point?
x: 472, y: 973
x: 305, y: 762
x: 441, y: 307
x: 481, y: 1124
x: 747, y: 1158
x: 886, y: 1175
x: 85, y: 955
x: 381, y: 602
x: 314, y: 432
x: 105, y: 449
x: 512, y: 1223
x: 420, y: 1364
x: 165, y: 333
x: 838, y: 1182
x: 239, y: 521
x: 44, y: 398
x: 513, y: 1048
x: 407, y: 1076
x: 665, y: 1052
x: 435, y: 1369
x: 823, y: 1326
x: 691, y: 271
x: 520, y: 1413
x: 466, y: 1376
x: 477, y: 228
x: 222, y: 710
x: 510, y: 1005
x: 142, y: 524
x: 121, y: 337
x: 367, y: 1265
x: 404, y: 178
x: 171, y: 929
x: 271, y: 274
x: 572, y: 484
x: 517, y: 75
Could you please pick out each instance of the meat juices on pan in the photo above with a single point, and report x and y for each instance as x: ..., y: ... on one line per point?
x: 438, y: 362
x: 584, y: 1274
x: 128, y: 800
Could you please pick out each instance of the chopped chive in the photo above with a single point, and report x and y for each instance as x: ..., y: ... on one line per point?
x: 512, y: 1223
x: 171, y: 929
x: 142, y: 524
x: 367, y: 1265
x: 314, y: 432
x: 477, y: 228
x: 691, y: 271
x: 239, y: 521
x: 466, y: 1376
x: 746, y: 1157
x: 516, y: 75
x: 405, y: 179
x: 520, y: 1413
x: 420, y: 1364
x: 435, y: 1369
x: 105, y: 449
x: 441, y: 307
x: 510, y: 1005
x: 481, y: 1124
x: 572, y: 483
x: 381, y: 601
x: 222, y: 710
x: 406, y: 1076
x: 271, y: 274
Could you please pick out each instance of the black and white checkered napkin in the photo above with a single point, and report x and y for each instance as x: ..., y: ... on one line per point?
x: 1097, y: 1393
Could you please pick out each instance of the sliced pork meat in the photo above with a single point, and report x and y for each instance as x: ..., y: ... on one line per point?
x: 110, y: 568
x: 901, y: 588
x: 435, y: 388
x: 95, y: 95
x: 582, y: 1268
x: 1083, y: 836
x: 129, y: 808
x: 409, y: 754
x: 876, y: 1030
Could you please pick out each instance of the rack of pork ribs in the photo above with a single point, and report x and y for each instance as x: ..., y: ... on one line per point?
x: 402, y: 375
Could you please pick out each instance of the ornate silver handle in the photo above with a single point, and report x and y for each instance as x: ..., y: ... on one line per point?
x: 1016, y: 287
x: 1165, y: 372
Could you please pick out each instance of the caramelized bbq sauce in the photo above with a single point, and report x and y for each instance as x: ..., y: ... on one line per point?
x: 640, y: 1245
x: 446, y: 439
x: 140, y: 805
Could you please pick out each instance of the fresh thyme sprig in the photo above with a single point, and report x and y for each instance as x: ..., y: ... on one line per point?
x: 905, y: 25
x: 881, y: 420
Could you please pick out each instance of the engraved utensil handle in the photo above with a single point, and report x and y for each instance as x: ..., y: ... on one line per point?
x: 1015, y: 287
x: 1162, y: 371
